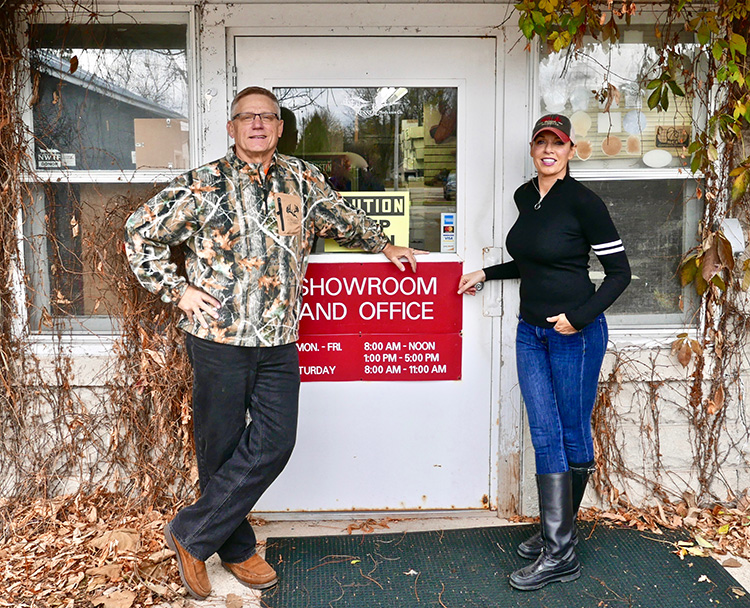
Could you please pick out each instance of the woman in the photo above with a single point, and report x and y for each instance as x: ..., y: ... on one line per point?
x: 561, y: 337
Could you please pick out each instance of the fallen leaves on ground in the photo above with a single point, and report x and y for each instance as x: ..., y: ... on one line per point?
x: 716, y: 531
x: 99, y: 550
x: 93, y: 550
x: 368, y: 525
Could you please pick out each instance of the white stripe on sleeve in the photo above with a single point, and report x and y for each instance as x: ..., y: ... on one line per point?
x: 608, y: 248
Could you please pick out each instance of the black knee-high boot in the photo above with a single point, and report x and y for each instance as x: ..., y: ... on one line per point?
x: 557, y: 561
x: 532, y: 546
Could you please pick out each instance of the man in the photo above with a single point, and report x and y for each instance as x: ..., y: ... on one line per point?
x: 249, y: 221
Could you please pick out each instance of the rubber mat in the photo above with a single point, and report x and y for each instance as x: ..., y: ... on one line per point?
x: 469, y: 568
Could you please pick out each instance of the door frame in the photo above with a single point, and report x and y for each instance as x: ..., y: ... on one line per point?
x: 218, y: 24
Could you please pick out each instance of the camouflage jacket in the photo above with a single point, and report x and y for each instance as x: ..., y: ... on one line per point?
x: 248, y: 239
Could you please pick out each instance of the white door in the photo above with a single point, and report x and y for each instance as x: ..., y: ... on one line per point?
x: 404, y: 445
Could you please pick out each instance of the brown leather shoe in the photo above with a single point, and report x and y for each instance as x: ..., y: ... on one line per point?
x: 254, y: 572
x: 192, y: 571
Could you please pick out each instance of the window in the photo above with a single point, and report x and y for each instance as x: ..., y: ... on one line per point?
x: 636, y: 160
x: 389, y: 150
x: 109, y: 114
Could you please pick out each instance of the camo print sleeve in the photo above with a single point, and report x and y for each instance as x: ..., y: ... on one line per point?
x: 167, y: 219
x: 248, y: 234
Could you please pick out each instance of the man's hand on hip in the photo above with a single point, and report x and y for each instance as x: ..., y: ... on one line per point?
x: 394, y: 254
x: 195, y: 302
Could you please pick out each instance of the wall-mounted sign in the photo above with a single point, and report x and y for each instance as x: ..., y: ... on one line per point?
x: 390, y: 209
x: 372, y: 322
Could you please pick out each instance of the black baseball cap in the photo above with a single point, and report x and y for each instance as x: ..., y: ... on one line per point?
x: 558, y: 124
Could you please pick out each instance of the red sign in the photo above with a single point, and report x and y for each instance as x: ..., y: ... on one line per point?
x: 373, y: 322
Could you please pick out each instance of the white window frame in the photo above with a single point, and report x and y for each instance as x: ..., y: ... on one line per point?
x: 641, y: 330
x: 96, y: 333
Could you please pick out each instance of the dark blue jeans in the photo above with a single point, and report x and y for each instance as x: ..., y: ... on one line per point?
x: 237, y: 461
x: 559, y: 376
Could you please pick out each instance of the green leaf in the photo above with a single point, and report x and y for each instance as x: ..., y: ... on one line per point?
x: 665, y: 99
x: 697, y: 161
x: 740, y: 185
x: 527, y: 26
x: 738, y: 44
x: 688, y: 271
x: 653, y: 99
x: 719, y: 282
x: 717, y: 51
x: 676, y: 89
x: 700, y: 284
x: 654, y: 83
x: 704, y: 34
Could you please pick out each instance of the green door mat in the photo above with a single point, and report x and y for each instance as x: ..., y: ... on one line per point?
x: 469, y: 569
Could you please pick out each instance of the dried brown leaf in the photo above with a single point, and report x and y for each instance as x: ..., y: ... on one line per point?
x: 117, y: 599
x: 111, y: 571
x: 125, y: 539
x: 719, y: 398
x: 234, y: 601
x: 684, y: 354
x: 710, y: 263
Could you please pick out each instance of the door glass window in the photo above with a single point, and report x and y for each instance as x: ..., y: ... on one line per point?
x: 390, y: 151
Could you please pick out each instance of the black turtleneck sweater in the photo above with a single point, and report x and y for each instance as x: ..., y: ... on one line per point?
x: 550, y: 247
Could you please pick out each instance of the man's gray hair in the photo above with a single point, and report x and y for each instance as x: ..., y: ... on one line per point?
x: 253, y: 91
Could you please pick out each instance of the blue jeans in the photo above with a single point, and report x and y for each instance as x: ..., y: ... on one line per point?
x: 559, y: 376
x: 237, y: 461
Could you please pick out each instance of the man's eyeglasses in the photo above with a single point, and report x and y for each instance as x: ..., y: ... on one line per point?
x: 247, y: 117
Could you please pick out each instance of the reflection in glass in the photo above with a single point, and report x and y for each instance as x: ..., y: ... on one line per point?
x: 110, y: 97
x: 650, y: 216
x: 602, y: 88
x: 395, y: 140
x: 72, y: 230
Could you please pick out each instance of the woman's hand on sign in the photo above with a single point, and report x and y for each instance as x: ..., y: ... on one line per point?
x: 468, y: 282
x: 562, y: 325
x: 394, y: 253
x: 195, y: 302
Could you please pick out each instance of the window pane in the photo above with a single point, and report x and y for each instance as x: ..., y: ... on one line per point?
x: 652, y: 217
x: 397, y: 141
x: 72, y: 233
x: 613, y: 124
x: 110, y: 97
